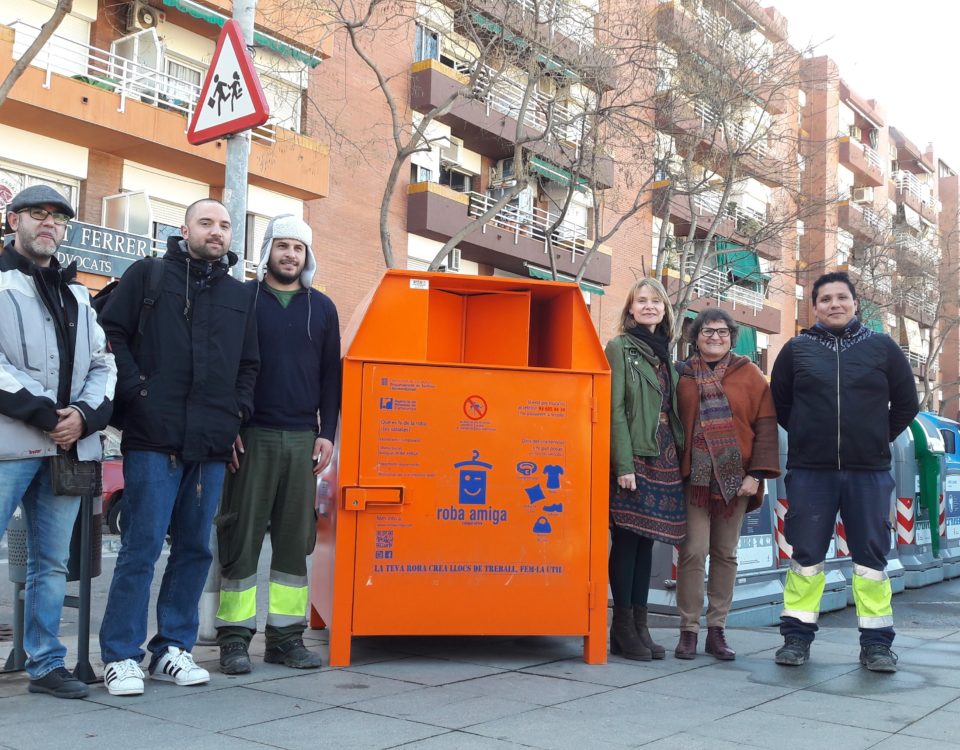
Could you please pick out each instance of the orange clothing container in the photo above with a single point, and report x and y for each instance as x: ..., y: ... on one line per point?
x: 473, y: 469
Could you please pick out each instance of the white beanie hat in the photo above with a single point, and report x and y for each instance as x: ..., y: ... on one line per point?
x: 289, y: 227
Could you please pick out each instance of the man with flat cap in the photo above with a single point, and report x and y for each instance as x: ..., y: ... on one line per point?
x: 56, y: 387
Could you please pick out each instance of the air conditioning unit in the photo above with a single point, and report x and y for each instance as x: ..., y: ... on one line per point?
x: 453, y: 260
x: 141, y: 16
x: 855, y: 132
x: 452, y: 153
x: 502, y: 171
x: 862, y: 195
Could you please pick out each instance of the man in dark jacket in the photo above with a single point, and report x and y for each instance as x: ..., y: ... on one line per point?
x: 56, y: 384
x: 843, y: 393
x: 287, y: 442
x: 185, y: 385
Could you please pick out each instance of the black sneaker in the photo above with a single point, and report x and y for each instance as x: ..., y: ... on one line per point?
x: 878, y: 657
x: 794, y: 652
x: 60, y: 684
x: 292, y: 654
x: 234, y: 658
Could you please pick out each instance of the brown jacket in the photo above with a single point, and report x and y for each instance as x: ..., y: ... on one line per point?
x: 754, y: 418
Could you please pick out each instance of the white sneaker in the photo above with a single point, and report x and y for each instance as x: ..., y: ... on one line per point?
x: 178, y: 666
x: 123, y: 677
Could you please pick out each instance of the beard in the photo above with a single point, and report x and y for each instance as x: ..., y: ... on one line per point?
x: 38, y: 247
x: 202, y: 251
x: 282, y: 274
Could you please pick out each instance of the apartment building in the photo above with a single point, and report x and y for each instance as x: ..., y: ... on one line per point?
x: 876, y: 212
x: 102, y: 113
x: 725, y: 194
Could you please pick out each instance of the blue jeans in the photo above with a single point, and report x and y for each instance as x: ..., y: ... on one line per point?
x: 50, y: 520
x: 160, y: 492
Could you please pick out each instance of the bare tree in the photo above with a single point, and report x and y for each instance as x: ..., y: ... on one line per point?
x: 60, y: 12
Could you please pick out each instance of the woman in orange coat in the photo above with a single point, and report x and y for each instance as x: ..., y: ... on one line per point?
x: 727, y: 411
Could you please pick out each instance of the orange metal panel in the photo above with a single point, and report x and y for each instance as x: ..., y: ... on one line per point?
x: 473, y: 465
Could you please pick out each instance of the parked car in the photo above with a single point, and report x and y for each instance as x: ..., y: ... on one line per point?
x: 112, y: 480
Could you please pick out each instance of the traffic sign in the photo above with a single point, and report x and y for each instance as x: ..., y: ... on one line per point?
x: 231, y: 99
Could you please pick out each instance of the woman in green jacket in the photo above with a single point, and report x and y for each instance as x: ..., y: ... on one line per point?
x: 646, y: 498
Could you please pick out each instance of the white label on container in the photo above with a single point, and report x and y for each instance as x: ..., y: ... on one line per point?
x: 419, y: 283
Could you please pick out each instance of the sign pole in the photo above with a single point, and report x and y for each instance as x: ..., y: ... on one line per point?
x: 238, y: 155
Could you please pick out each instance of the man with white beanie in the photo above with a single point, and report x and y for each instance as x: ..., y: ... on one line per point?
x: 281, y: 449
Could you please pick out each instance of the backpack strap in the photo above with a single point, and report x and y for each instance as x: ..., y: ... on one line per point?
x: 152, y: 290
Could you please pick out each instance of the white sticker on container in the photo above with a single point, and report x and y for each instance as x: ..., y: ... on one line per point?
x: 419, y: 283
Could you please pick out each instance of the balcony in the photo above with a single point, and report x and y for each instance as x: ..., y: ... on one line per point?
x: 90, y: 97
x: 713, y: 288
x: 487, y: 120
x: 863, y: 222
x: 510, y: 240
x: 918, y: 361
x: 916, y: 194
x: 740, y: 224
x: 916, y: 304
x: 562, y: 30
x: 862, y: 160
x: 723, y: 45
x: 720, y: 142
x: 916, y: 254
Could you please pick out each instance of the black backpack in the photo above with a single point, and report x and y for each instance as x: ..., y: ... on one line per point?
x: 151, y: 292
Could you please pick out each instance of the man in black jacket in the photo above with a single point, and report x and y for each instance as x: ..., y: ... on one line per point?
x: 287, y: 442
x: 185, y: 385
x: 843, y: 393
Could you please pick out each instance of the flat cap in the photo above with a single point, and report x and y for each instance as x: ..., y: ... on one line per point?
x: 40, y: 195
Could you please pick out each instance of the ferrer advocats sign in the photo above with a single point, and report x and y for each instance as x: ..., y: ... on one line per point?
x: 102, y: 251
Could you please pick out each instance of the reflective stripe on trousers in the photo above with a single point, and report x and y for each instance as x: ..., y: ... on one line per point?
x: 802, y: 592
x: 872, y: 594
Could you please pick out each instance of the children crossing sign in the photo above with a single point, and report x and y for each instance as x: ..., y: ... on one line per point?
x: 231, y: 99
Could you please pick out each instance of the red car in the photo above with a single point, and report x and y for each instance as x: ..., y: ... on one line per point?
x: 112, y: 480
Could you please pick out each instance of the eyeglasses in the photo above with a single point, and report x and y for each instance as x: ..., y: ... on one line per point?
x: 709, y: 333
x: 41, y: 214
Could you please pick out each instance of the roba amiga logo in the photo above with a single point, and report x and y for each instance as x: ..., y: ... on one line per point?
x: 472, y: 493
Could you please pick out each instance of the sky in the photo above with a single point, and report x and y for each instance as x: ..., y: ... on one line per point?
x: 903, y: 53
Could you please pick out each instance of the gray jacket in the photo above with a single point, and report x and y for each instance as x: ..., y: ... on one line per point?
x: 32, y: 346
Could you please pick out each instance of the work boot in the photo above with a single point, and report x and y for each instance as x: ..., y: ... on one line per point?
x: 716, y: 645
x: 624, y: 640
x: 878, y: 657
x: 640, y: 622
x: 234, y: 658
x: 292, y: 654
x: 794, y: 652
x: 686, y: 646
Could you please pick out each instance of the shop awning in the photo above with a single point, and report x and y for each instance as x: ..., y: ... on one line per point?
x: 264, y: 40
x: 742, y: 264
x: 557, y: 174
x: 544, y: 274
x: 870, y: 315
x: 746, y: 342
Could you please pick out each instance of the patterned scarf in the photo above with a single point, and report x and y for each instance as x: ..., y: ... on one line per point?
x: 716, y: 466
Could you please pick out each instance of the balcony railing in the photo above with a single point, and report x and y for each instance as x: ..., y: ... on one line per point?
x: 531, y: 223
x: 569, y: 19
x: 721, y: 33
x: 712, y: 282
x: 916, y: 359
x: 740, y: 134
x: 918, y: 300
x: 126, y: 78
x: 505, y: 95
x: 922, y: 253
x: 907, y: 182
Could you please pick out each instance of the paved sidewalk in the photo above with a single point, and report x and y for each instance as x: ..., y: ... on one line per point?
x: 497, y: 693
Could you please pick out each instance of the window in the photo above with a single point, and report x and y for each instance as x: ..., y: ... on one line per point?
x: 426, y: 44
x: 459, y: 181
x: 128, y: 212
x: 420, y: 174
x: 13, y: 180
x: 284, y: 99
x: 183, y: 83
